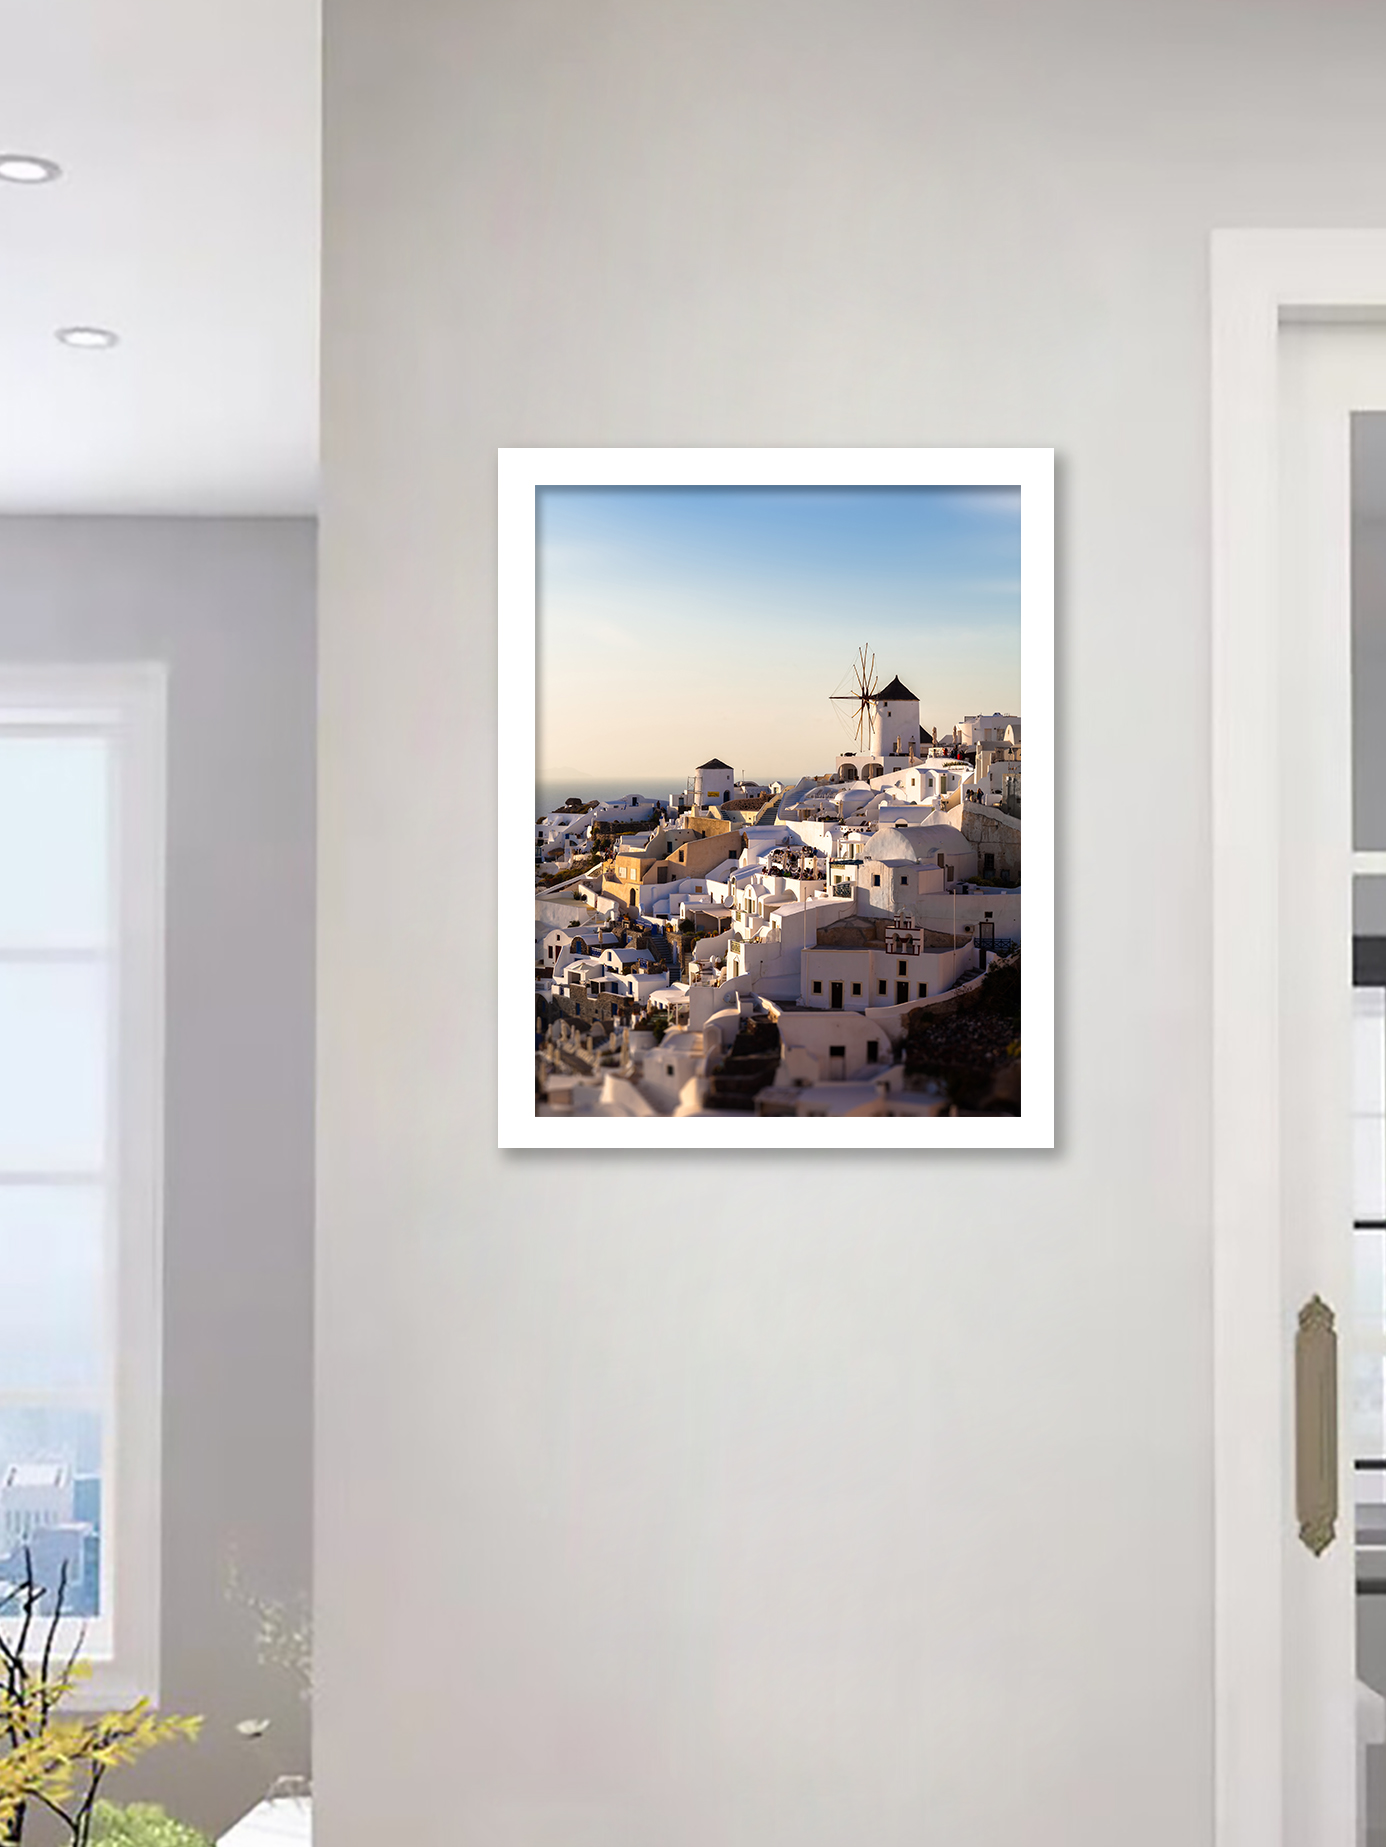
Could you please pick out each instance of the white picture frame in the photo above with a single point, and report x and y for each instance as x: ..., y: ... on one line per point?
x: 522, y: 473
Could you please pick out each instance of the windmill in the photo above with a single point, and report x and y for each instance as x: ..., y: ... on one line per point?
x: 862, y: 696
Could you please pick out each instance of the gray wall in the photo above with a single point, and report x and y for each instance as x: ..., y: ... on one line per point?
x: 229, y: 605
x: 788, y: 1517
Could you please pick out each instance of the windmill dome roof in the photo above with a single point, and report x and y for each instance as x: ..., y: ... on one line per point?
x: 714, y: 763
x: 896, y: 690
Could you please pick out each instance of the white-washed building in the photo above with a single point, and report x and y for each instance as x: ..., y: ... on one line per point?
x: 897, y: 965
x: 771, y: 955
x: 994, y: 728
x: 625, y: 811
x: 902, y: 862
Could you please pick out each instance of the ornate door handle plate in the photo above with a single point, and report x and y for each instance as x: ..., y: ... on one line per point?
x: 1316, y: 1425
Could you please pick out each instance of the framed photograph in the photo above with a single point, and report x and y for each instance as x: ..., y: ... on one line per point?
x: 771, y: 701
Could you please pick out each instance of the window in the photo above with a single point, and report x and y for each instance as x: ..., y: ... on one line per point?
x: 904, y: 880
x: 923, y: 989
x: 818, y: 987
x: 856, y: 987
x: 901, y: 969
x: 880, y: 987
x: 668, y: 1070
x: 873, y: 1051
x: 81, y: 982
x: 875, y: 878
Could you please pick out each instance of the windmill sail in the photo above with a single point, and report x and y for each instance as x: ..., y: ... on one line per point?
x: 863, y: 693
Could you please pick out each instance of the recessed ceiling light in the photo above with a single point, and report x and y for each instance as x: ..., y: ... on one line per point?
x: 92, y: 339
x: 28, y: 169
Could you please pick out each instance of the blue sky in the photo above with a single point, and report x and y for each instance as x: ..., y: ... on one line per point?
x: 677, y: 624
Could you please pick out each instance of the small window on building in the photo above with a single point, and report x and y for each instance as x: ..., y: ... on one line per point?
x: 668, y: 1070
x: 837, y: 1051
x: 856, y: 987
x: 988, y: 865
x: 904, y: 881
x: 818, y: 987
x: 940, y: 859
x: 902, y: 970
x: 875, y: 878
x: 873, y: 1049
x: 880, y: 987
x: 923, y: 989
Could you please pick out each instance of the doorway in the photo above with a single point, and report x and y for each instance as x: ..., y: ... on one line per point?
x: 1299, y: 351
x: 1368, y: 1386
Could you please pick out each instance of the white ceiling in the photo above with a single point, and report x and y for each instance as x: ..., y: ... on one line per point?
x: 187, y: 220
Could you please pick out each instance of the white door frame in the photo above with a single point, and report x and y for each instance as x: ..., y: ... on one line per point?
x: 1260, y: 281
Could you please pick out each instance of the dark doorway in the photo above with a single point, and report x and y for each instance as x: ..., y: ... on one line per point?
x: 836, y: 995
x: 902, y: 992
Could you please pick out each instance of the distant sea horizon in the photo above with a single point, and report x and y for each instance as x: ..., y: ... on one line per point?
x: 549, y: 794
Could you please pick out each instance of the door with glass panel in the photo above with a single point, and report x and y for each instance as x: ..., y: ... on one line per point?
x: 1368, y: 1334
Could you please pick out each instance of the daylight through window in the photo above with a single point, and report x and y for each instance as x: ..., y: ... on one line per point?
x: 80, y: 1056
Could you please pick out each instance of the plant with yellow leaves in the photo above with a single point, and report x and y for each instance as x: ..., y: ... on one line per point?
x: 52, y: 1761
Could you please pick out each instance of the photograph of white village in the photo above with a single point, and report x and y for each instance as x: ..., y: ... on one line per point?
x: 840, y: 940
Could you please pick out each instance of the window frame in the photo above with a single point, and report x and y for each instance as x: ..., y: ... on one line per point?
x: 127, y: 703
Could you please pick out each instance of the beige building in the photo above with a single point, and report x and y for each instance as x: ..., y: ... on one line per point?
x: 671, y: 855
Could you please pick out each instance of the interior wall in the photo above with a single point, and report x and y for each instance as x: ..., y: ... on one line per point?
x: 784, y: 1498
x: 230, y: 606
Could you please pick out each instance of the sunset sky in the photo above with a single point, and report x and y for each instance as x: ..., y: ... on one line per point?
x: 678, y: 624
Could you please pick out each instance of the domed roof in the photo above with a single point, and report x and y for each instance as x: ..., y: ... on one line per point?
x: 896, y: 690
x: 897, y: 843
x: 714, y: 763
